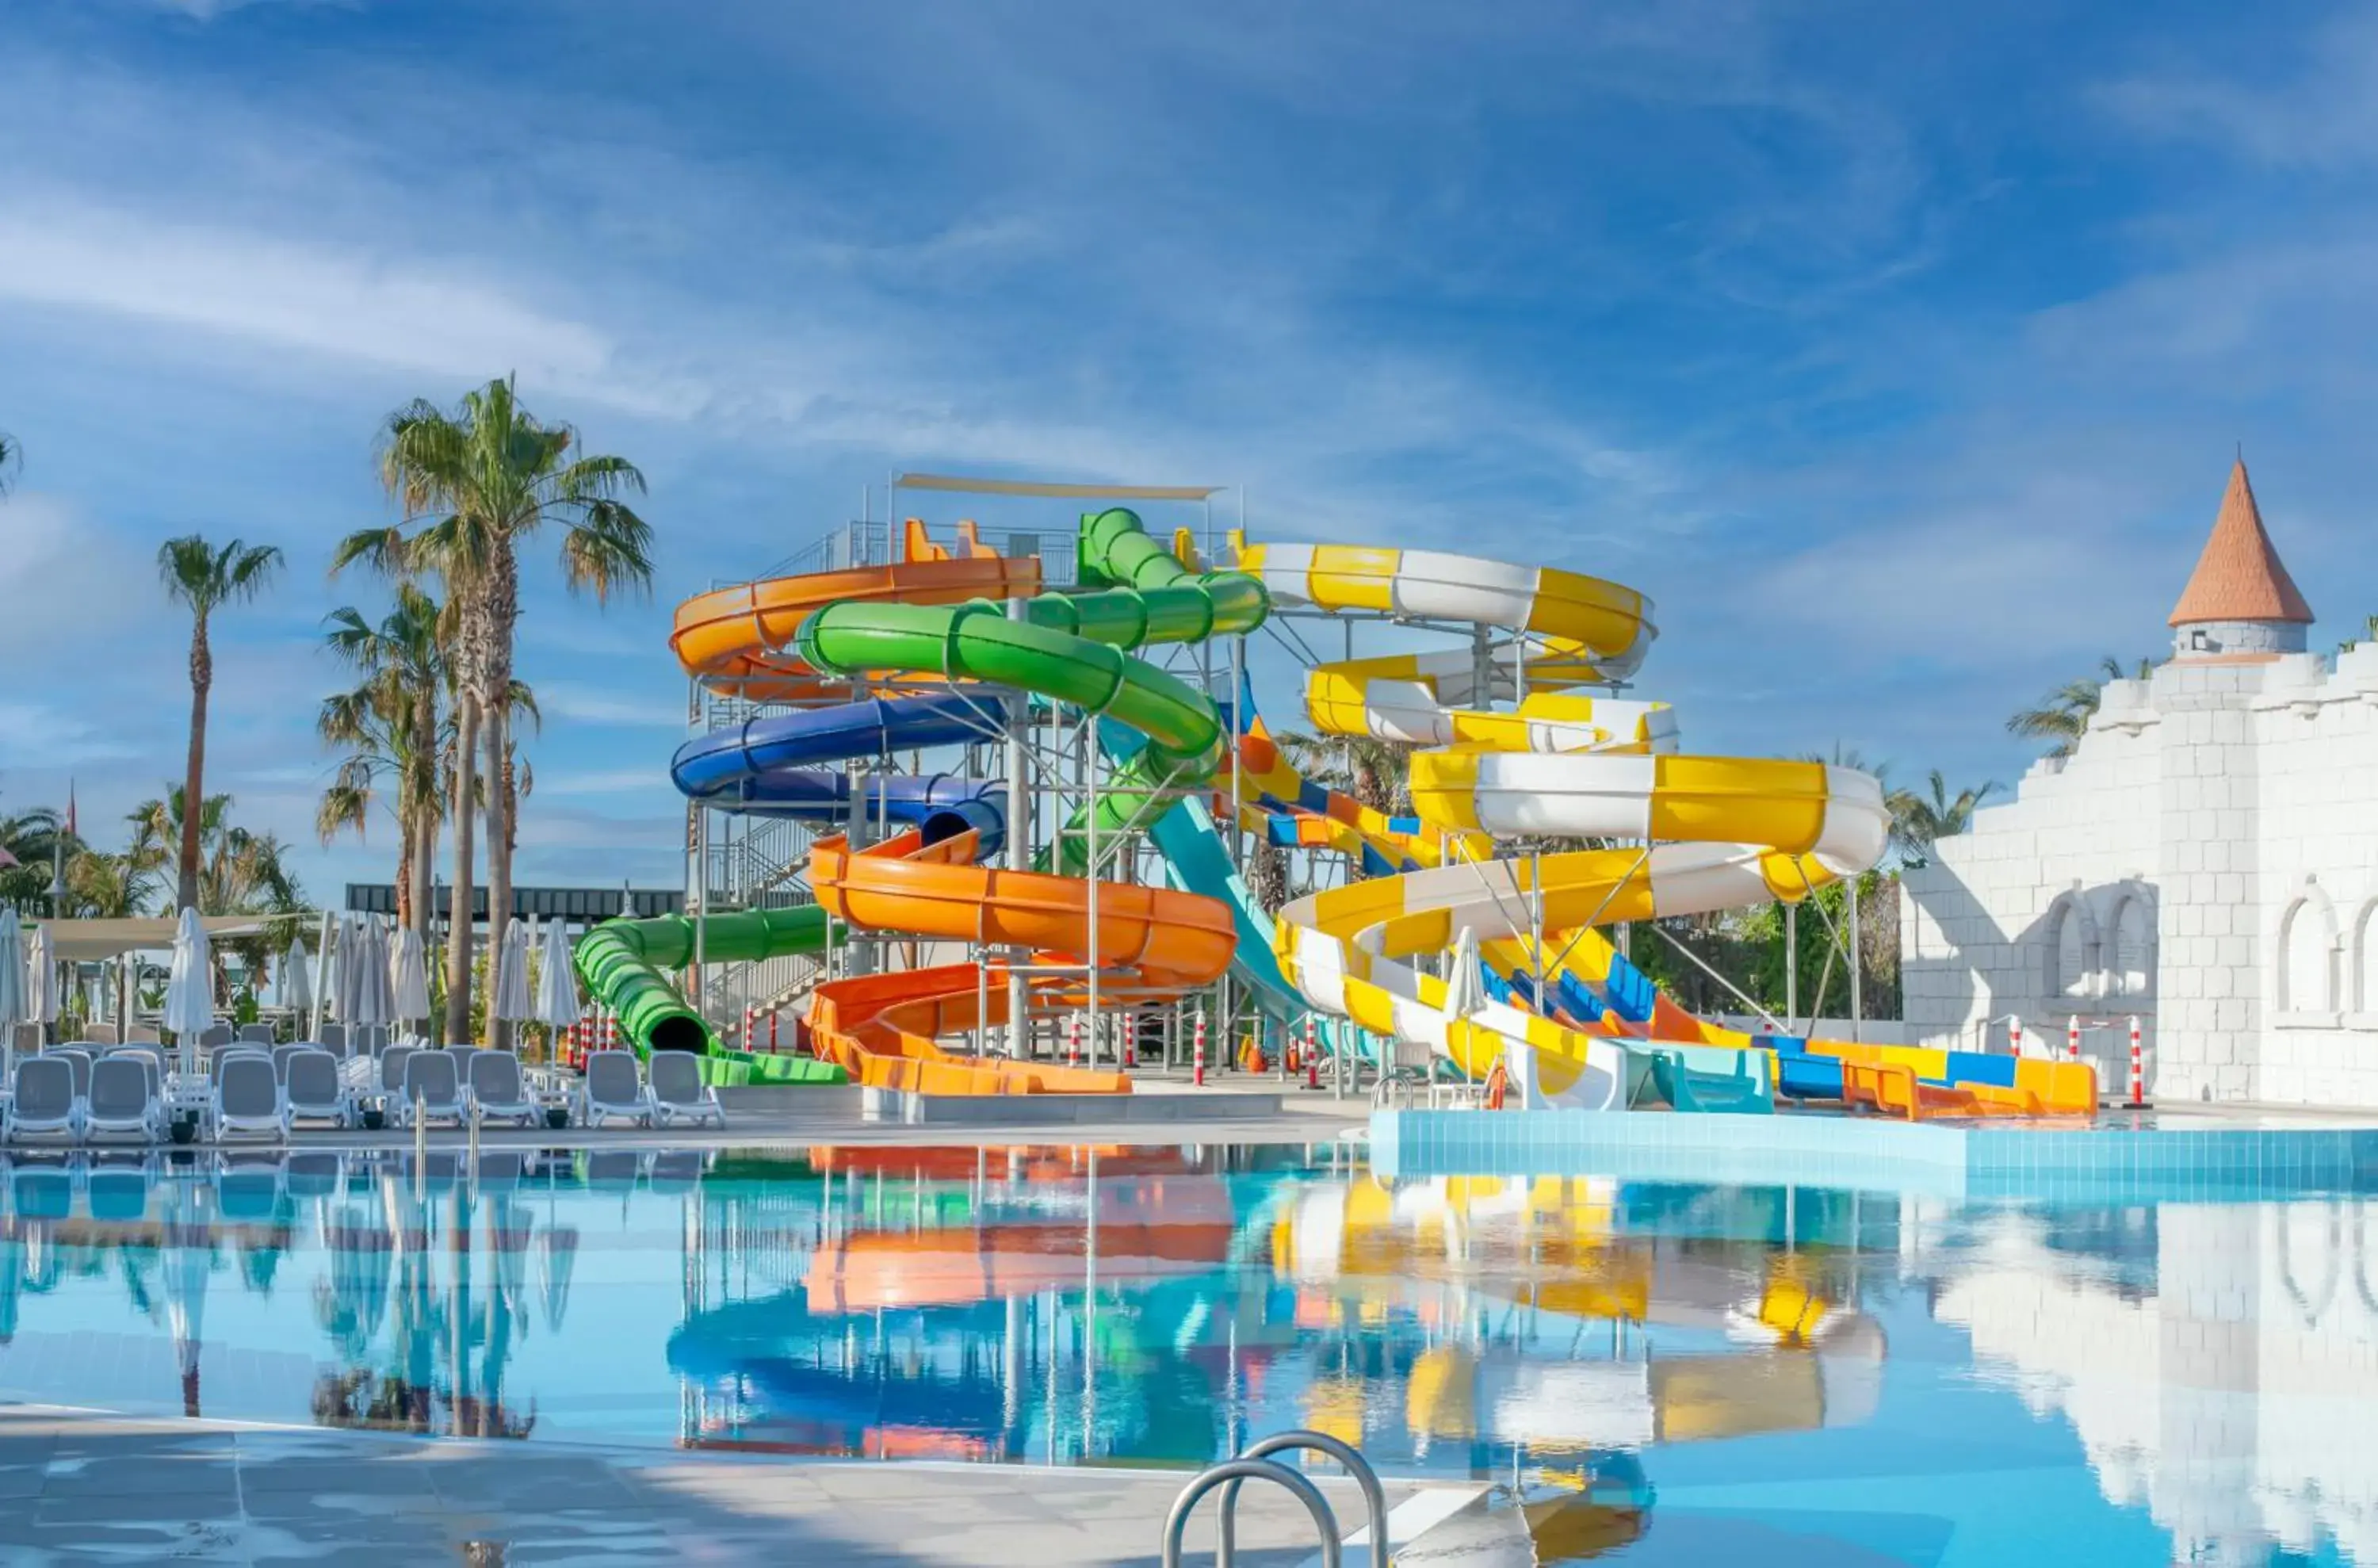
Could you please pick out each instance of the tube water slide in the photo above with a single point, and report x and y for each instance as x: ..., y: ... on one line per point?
x: 931, y: 626
x: 1716, y: 833
x: 1147, y: 944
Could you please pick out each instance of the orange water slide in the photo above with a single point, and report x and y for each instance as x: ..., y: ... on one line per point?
x: 739, y: 640
x: 1153, y: 943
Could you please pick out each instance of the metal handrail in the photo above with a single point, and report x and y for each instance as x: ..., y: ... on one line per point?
x: 1234, y: 1471
x: 1375, y: 1497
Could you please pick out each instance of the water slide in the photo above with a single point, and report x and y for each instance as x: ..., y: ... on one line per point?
x: 1718, y: 833
x: 1197, y: 860
x: 1148, y: 944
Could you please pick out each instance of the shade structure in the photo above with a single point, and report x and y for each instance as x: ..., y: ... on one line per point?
x: 41, y: 978
x: 296, y: 977
x: 189, y: 989
x: 12, y: 970
x: 557, y: 982
x: 511, y: 998
x: 408, y: 977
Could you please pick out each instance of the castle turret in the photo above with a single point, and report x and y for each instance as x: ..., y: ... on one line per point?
x: 2240, y: 606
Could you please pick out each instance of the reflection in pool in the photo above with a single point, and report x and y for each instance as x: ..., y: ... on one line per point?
x: 1647, y: 1370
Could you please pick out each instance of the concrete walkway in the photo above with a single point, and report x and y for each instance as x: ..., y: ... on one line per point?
x: 85, y: 1488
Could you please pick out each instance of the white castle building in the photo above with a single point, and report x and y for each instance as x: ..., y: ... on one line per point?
x: 2205, y: 860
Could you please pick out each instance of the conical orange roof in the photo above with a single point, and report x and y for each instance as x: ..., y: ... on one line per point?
x: 2239, y: 576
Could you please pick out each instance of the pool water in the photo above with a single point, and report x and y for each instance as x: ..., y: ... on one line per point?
x: 1648, y: 1372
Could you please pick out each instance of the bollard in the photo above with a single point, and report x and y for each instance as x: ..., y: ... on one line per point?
x: 2014, y: 1034
x: 751, y: 1020
x: 774, y: 1014
x: 1197, y: 1061
x: 2073, y: 1038
x: 1073, y: 1041
x: 2138, y: 1068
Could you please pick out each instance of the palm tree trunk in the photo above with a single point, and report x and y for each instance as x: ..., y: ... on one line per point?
x: 202, y: 676
x: 406, y: 852
x: 458, y: 926
x: 502, y: 614
x: 424, y: 809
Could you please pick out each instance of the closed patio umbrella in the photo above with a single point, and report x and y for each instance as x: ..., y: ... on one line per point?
x: 557, y: 981
x: 296, y: 982
x: 12, y: 973
x: 41, y: 978
x: 374, y: 998
x: 409, y: 977
x: 189, y: 989
x: 511, y: 998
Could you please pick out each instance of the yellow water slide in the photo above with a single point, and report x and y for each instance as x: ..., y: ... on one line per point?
x: 1705, y: 833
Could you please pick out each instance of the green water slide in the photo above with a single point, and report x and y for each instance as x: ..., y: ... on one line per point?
x: 625, y: 963
x: 1073, y: 648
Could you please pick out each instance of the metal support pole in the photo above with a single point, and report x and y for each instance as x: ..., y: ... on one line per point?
x: 1857, y: 1009
x: 1090, y: 860
x: 1238, y: 689
x: 1019, y: 849
x: 1792, y: 966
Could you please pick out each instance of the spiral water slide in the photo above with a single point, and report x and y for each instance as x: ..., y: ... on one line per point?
x: 1719, y: 832
x: 933, y: 625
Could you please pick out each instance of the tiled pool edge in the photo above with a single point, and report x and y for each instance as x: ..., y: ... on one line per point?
x: 1873, y: 1154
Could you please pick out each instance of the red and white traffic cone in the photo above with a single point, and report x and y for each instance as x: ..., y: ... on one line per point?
x: 1198, y: 1056
x: 2138, y: 1069
x: 2072, y: 1039
x: 751, y: 1022
x: 1312, y: 1053
x: 1131, y: 1041
x: 1073, y: 1041
x: 2014, y: 1034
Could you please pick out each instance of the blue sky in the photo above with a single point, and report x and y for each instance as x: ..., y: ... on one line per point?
x: 1897, y: 352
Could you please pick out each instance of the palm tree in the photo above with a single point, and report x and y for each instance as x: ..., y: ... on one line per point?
x: 475, y: 484
x: 391, y: 720
x: 206, y: 578
x: 241, y: 872
x: 1918, y: 820
x: 29, y: 841
x: 1375, y: 772
x: 2062, y: 717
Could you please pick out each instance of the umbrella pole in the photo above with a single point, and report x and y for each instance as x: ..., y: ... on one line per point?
x: 321, y: 975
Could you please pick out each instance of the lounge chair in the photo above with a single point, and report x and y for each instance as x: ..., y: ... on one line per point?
x: 391, y: 1071
x: 256, y: 1034
x: 334, y: 1036
x: 614, y: 1170
x: 432, y: 1092
x: 143, y: 1034
x: 25, y: 1039
x: 310, y: 1088
x: 614, y: 1089
x: 281, y: 1055
x: 214, y: 1038
x: 102, y: 1034
x: 45, y: 1103
x: 248, y: 1098
x: 77, y: 1060
x: 497, y: 1089
x: 123, y: 1101
x: 679, y: 1093
x: 223, y: 1058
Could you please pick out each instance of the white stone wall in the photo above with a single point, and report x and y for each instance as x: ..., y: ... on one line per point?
x: 2239, y: 804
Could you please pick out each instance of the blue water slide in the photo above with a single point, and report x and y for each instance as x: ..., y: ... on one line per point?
x: 774, y: 766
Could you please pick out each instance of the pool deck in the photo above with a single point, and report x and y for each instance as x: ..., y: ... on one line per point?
x: 86, y: 1486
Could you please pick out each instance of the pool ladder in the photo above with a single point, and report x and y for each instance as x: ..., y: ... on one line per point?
x: 1253, y: 1466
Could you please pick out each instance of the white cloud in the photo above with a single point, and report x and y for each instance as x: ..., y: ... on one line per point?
x: 613, y: 781
x: 569, y: 702
x: 392, y: 311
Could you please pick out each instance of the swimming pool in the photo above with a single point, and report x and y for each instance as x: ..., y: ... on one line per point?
x: 1659, y: 1371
